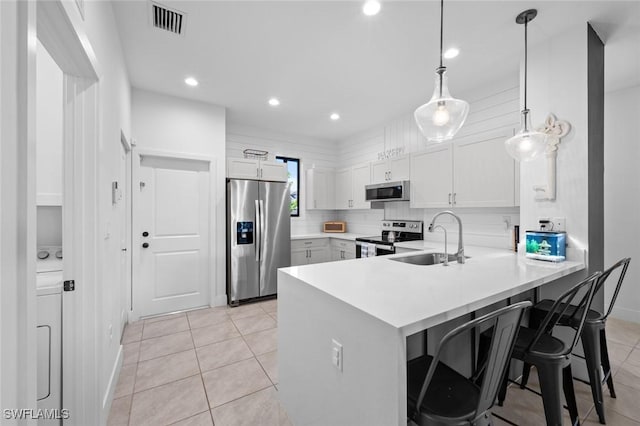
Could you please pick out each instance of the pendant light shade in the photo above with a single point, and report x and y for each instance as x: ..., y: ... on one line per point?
x: 528, y: 143
x: 441, y: 118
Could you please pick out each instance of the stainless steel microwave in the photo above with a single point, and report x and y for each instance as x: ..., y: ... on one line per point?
x: 388, y: 191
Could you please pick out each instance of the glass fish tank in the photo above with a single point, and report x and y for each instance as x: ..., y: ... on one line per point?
x: 546, y: 245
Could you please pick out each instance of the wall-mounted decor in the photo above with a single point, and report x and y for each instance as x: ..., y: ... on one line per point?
x: 391, y: 153
x: 554, y: 129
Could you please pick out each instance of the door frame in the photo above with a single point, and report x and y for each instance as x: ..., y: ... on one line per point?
x: 61, y: 30
x: 128, y: 147
x: 136, y: 158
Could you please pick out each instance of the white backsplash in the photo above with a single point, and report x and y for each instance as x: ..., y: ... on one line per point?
x: 481, y: 227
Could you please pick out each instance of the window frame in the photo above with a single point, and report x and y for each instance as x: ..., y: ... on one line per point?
x: 285, y: 160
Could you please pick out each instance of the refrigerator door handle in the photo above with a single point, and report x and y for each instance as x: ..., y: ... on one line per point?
x: 258, y: 230
x: 261, y: 236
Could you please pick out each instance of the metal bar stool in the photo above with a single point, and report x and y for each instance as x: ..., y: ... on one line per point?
x: 550, y: 355
x: 439, y: 395
x: 594, y: 338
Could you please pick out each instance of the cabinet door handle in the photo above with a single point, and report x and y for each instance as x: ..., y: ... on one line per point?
x: 389, y: 174
x: 454, y: 198
x: 257, y: 172
x: 449, y: 198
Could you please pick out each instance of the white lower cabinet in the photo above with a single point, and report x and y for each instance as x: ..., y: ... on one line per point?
x: 305, y: 252
x: 342, y: 249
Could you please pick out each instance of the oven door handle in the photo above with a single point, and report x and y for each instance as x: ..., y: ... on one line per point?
x: 377, y: 246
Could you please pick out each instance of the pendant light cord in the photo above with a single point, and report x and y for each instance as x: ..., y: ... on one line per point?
x: 441, y: 28
x: 526, y: 22
x: 441, y: 69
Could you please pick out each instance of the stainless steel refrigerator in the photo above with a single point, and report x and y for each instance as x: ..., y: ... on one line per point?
x: 258, y: 237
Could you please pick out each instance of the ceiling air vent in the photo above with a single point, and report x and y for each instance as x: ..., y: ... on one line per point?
x: 167, y: 19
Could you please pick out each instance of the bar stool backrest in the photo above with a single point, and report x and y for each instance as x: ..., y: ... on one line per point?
x: 505, y: 329
x: 624, y: 264
x: 560, y: 308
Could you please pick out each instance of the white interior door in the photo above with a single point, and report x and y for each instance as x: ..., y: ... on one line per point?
x: 171, y: 235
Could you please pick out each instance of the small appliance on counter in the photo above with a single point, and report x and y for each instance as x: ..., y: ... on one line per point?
x: 393, y: 231
x: 546, y: 245
x: 334, y: 226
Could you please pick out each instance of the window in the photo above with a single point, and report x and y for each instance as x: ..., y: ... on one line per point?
x: 293, y: 171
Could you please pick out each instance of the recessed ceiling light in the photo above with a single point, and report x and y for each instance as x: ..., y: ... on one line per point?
x: 371, y: 7
x: 274, y: 102
x: 190, y: 81
x: 451, y: 53
x: 335, y: 116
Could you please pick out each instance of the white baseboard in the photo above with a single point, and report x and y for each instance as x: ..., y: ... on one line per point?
x: 626, y: 314
x: 111, y: 387
x: 220, y: 300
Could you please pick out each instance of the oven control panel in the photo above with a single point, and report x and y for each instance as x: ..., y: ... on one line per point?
x: 402, y: 225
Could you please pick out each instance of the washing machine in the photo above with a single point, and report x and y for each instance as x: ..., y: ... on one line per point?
x: 49, y: 331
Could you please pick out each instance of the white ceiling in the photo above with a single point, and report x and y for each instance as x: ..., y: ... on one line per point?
x: 318, y: 57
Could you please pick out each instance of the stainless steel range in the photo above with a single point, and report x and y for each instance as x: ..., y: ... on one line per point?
x: 393, y: 231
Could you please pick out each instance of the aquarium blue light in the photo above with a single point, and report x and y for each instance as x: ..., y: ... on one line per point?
x: 549, y: 246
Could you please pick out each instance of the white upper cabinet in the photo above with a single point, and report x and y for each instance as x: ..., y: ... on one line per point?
x: 350, y: 183
x: 248, y: 168
x: 483, y: 174
x: 320, y: 186
x: 343, y: 189
x: 49, y: 129
x: 471, y: 172
x: 392, y: 169
x: 431, y: 177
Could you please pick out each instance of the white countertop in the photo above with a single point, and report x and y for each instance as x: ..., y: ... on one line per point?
x: 416, y: 297
x: 340, y: 235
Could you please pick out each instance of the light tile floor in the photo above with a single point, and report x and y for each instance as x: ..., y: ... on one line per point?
x: 219, y: 366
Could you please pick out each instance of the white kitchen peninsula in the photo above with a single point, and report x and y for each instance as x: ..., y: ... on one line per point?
x: 370, y: 306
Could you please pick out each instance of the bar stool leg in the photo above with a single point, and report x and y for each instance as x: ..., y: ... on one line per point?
x: 591, y: 345
x: 550, y: 376
x: 526, y: 370
x: 569, y: 394
x: 606, y: 366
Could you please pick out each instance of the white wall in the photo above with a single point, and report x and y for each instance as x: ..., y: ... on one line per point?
x: 622, y: 195
x: 115, y: 116
x: 177, y: 125
x: 311, y: 152
x: 493, y: 108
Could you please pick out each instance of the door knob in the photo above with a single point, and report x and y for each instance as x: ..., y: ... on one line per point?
x: 145, y: 234
x: 145, y: 245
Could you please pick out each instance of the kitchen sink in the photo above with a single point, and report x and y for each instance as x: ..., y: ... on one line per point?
x: 426, y: 258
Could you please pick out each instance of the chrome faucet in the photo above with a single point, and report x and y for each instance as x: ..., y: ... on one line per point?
x: 460, y: 254
x: 445, y: 258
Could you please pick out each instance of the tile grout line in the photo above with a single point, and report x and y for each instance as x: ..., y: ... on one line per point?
x: 206, y: 394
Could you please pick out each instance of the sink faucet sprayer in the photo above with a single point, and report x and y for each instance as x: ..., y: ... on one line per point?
x: 445, y: 260
x: 460, y: 254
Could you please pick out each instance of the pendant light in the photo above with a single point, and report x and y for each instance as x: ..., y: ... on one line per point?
x: 528, y: 143
x: 441, y: 118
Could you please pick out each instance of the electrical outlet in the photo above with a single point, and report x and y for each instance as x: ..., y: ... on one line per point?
x: 559, y: 224
x: 336, y: 354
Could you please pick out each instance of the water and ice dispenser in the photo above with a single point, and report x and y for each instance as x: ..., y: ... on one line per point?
x: 244, y: 233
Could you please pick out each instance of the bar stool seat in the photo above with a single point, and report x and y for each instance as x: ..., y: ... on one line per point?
x: 593, y: 336
x: 551, y: 356
x: 450, y: 394
x: 439, y: 395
